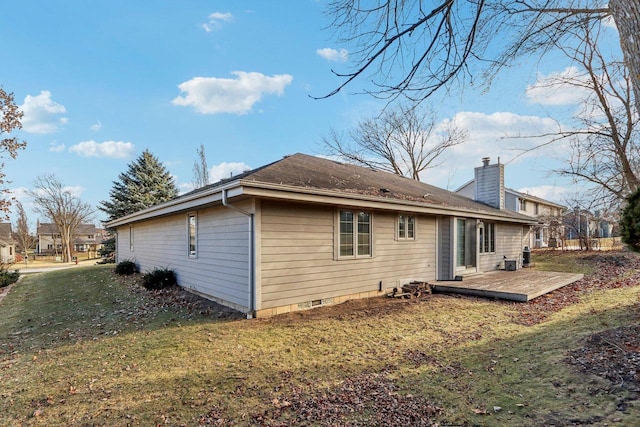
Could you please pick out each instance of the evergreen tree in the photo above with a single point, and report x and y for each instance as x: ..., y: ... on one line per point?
x: 630, y: 222
x: 145, y: 183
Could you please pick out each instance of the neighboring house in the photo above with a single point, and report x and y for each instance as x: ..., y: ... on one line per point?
x: 7, y: 244
x: 87, y: 238
x: 583, y: 224
x: 307, y: 231
x: 549, y: 229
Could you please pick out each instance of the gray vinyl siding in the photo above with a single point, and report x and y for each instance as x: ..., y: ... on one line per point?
x: 298, y: 262
x: 510, y: 241
x: 490, y: 185
x: 468, y: 190
x: 511, y: 202
x: 444, y: 249
x: 221, y: 267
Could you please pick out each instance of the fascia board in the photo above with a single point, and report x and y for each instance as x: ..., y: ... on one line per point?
x: 180, y: 204
x: 308, y: 195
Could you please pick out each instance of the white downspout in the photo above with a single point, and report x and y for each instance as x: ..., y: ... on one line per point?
x: 252, y: 257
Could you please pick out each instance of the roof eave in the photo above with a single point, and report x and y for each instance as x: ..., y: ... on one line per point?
x: 339, y: 198
x: 308, y: 195
x: 192, y: 201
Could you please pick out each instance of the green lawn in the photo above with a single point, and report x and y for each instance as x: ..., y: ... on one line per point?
x: 83, y: 347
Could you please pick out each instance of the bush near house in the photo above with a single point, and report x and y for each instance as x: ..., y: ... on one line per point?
x: 7, y: 277
x: 159, y: 278
x: 126, y: 267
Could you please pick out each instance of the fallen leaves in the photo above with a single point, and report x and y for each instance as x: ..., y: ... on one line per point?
x: 612, y: 354
x: 611, y: 270
x: 370, y: 398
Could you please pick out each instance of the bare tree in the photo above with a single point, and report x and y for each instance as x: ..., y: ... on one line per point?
x: 10, y: 120
x: 416, y: 47
x: 200, y: 169
x: 25, y: 240
x: 62, y: 208
x: 604, y: 144
x: 605, y: 151
x: 405, y: 141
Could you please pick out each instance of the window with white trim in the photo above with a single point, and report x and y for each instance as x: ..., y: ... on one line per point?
x: 488, y: 238
x: 192, y: 232
x: 523, y: 205
x: 355, y: 234
x: 406, y: 227
x: 131, y: 238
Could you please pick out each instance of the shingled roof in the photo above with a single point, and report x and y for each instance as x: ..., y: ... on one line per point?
x: 6, y: 234
x: 316, y: 173
x: 301, y: 170
x: 302, y: 173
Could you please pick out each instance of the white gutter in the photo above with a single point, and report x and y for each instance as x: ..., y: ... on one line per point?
x: 252, y: 256
x: 179, y: 204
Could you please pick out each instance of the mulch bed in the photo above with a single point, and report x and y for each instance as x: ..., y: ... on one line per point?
x: 613, y: 354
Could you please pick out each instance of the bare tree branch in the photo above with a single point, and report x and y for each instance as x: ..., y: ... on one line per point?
x: 405, y: 141
x: 63, y: 209
x: 415, y: 48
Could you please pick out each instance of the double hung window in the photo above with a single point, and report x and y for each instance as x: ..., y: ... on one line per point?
x: 488, y: 238
x: 355, y: 234
x: 406, y: 227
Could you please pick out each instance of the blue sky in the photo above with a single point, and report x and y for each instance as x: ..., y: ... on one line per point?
x: 101, y: 81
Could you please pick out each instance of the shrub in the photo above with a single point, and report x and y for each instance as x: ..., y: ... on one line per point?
x: 159, y: 278
x: 7, y: 277
x: 630, y: 222
x: 126, y: 267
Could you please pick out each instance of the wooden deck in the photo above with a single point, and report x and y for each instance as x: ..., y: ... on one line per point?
x: 520, y: 285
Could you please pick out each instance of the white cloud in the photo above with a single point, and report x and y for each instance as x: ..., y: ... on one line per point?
x: 42, y: 114
x: 555, y: 89
x: 212, y: 95
x: 488, y: 135
x: 56, y: 148
x: 548, y: 192
x: 111, y: 149
x: 75, y: 190
x: 215, y: 21
x: 333, y: 55
x: 609, y: 22
x: 96, y: 126
x: 227, y: 170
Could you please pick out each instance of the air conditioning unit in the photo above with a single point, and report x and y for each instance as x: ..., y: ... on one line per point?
x: 510, y: 264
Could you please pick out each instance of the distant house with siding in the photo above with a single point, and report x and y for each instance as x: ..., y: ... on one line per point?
x: 306, y: 231
x: 7, y: 244
x: 87, y: 238
x: 549, y: 229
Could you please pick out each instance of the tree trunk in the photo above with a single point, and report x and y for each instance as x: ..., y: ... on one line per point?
x: 626, y: 14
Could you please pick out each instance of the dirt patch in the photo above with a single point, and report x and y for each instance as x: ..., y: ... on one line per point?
x: 613, y: 354
x: 177, y: 296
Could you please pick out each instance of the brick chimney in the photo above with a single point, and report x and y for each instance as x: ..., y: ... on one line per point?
x: 490, y: 183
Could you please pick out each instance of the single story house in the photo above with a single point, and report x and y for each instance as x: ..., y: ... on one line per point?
x: 306, y: 231
x: 7, y: 244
